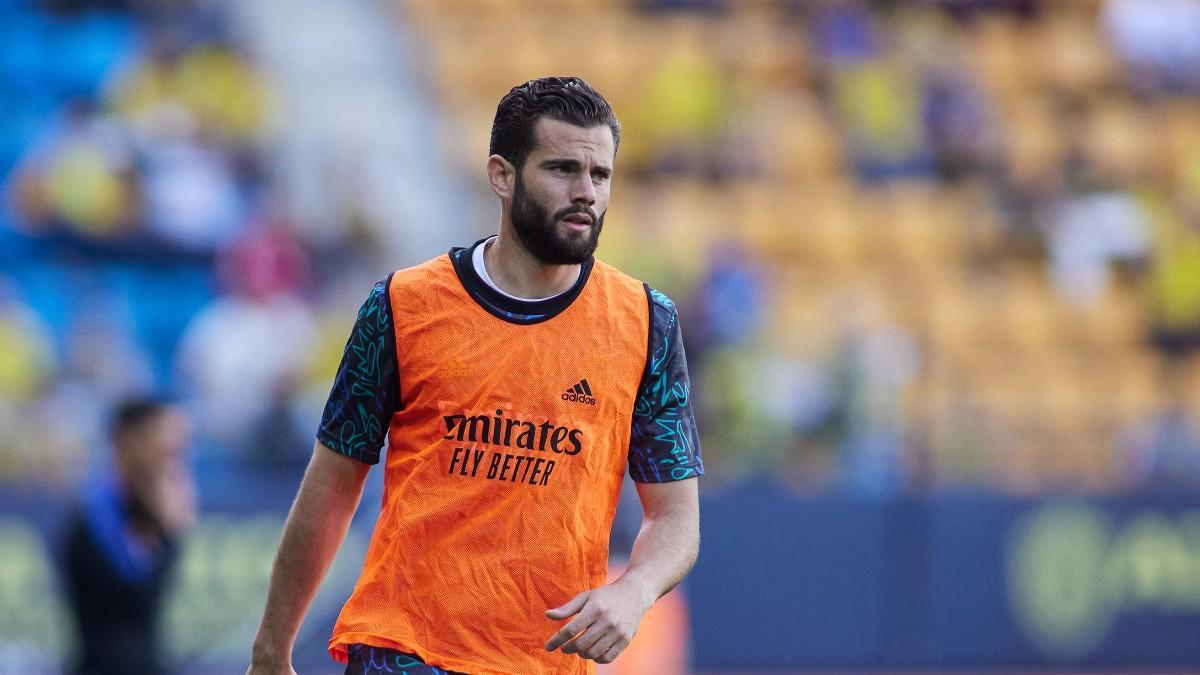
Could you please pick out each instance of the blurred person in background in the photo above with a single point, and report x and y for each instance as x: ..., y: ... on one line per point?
x: 28, y: 366
x: 236, y: 382
x: 1162, y: 452
x: 123, y: 540
x: 1159, y: 41
x: 78, y: 182
x: 482, y: 550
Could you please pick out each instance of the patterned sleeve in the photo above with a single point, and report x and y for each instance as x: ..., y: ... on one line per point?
x: 664, y: 445
x: 366, y: 390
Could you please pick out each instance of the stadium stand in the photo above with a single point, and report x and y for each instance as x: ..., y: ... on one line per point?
x: 968, y: 230
x: 990, y: 176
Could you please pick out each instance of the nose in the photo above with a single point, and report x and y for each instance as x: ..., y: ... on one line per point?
x: 583, y: 191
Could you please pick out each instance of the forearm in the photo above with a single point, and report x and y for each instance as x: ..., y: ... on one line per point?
x: 315, y: 528
x: 665, y: 549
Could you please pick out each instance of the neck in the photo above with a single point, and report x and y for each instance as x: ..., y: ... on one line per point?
x: 518, y: 273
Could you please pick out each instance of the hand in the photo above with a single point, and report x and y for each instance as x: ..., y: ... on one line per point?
x: 607, y: 618
x: 270, y: 667
x: 260, y: 670
x: 173, y: 498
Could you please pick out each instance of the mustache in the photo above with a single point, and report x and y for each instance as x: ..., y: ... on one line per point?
x: 577, y: 208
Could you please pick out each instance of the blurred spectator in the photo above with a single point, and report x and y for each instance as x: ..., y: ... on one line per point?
x: 880, y: 104
x: 874, y: 93
x: 846, y: 33
x: 78, y: 180
x: 191, y: 196
x: 876, y: 362
x: 27, y: 367
x: 1159, y: 41
x: 805, y: 394
x: 212, y: 82
x: 1087, y: 234
x: 1163, y: 452
x: 683, y: 111
x: 27, y: 358
x: 281, y: 433
x: 731, y: 300
x: 241, y: 351
x: 1174, y: 287
x: 193, y: 110
x: 102, y: 352
x: 959, y: 124
x: 748, y: 408
x: 123, y: 539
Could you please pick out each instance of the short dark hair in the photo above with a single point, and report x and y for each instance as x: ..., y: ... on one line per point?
x: 135, y: 412
x: 566, y: 99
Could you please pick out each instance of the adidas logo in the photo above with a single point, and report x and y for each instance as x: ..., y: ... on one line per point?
x: 580, y: 393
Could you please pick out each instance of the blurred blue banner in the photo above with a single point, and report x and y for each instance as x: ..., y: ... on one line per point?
x: 783, y: 583
x: 949, y: 581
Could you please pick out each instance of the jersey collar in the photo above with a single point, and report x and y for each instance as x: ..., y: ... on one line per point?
x: 511, y: 309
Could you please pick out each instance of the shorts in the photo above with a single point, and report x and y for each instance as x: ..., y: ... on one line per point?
x: 365, y: 659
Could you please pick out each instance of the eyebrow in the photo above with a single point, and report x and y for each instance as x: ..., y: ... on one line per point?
x: 571, y: 164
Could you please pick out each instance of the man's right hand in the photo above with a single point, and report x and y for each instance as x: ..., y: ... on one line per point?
x: 262, y: 663
x: 256, y: 669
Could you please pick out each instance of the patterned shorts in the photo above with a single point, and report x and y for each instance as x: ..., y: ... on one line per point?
x: 365, y: 659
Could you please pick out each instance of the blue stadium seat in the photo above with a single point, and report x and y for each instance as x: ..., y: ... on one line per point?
x: 48, y: 286
x: 22, y: 119
x: 23, y: 54
x: 87, y: 47
x: 163, y: 299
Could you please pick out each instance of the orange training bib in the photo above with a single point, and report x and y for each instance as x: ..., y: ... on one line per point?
x: 502, y: 471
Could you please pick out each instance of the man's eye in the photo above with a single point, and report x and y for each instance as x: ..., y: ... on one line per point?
x: 561, y: 169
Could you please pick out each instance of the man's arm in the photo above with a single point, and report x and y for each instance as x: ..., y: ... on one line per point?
x: 667, y: 545
x: 315, y: 528
x: 664, y: 551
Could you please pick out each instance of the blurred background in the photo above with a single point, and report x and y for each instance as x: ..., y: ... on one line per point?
x: 937, y: 262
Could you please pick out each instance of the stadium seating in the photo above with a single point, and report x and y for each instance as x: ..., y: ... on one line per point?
x: 808, y: 144
x: 1051, y: 384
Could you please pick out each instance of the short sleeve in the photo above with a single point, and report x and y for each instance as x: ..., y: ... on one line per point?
x: 366, y: 390
x: 664, y: 445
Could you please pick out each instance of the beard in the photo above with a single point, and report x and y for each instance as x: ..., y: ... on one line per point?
x: 538, y: 230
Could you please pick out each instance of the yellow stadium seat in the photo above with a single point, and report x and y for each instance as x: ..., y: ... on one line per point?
x: 794, y: 136
x: 1034, y: 146
x: 1029, y: 316
x: 1070, y: 50
x: 999, y: 52
x: 1120, y: 139
x: 956, y: 318
x: 919, y: 223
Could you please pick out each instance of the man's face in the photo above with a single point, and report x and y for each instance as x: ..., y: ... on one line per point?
x: 561, y: 193
x: 157, y: 446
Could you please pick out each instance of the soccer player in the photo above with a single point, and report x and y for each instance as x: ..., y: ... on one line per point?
x: 515, y: 381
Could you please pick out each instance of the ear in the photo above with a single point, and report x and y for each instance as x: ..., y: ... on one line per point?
x: 502, y: 176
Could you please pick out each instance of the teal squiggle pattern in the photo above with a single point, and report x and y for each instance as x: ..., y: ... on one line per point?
x: 366, y: 390
x: 664, y: 444
x: 365, y: 659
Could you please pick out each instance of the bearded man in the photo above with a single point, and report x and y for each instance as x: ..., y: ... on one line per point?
x: 515, y: 382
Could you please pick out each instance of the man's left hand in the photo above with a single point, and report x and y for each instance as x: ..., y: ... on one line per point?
x: 606, y: 619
